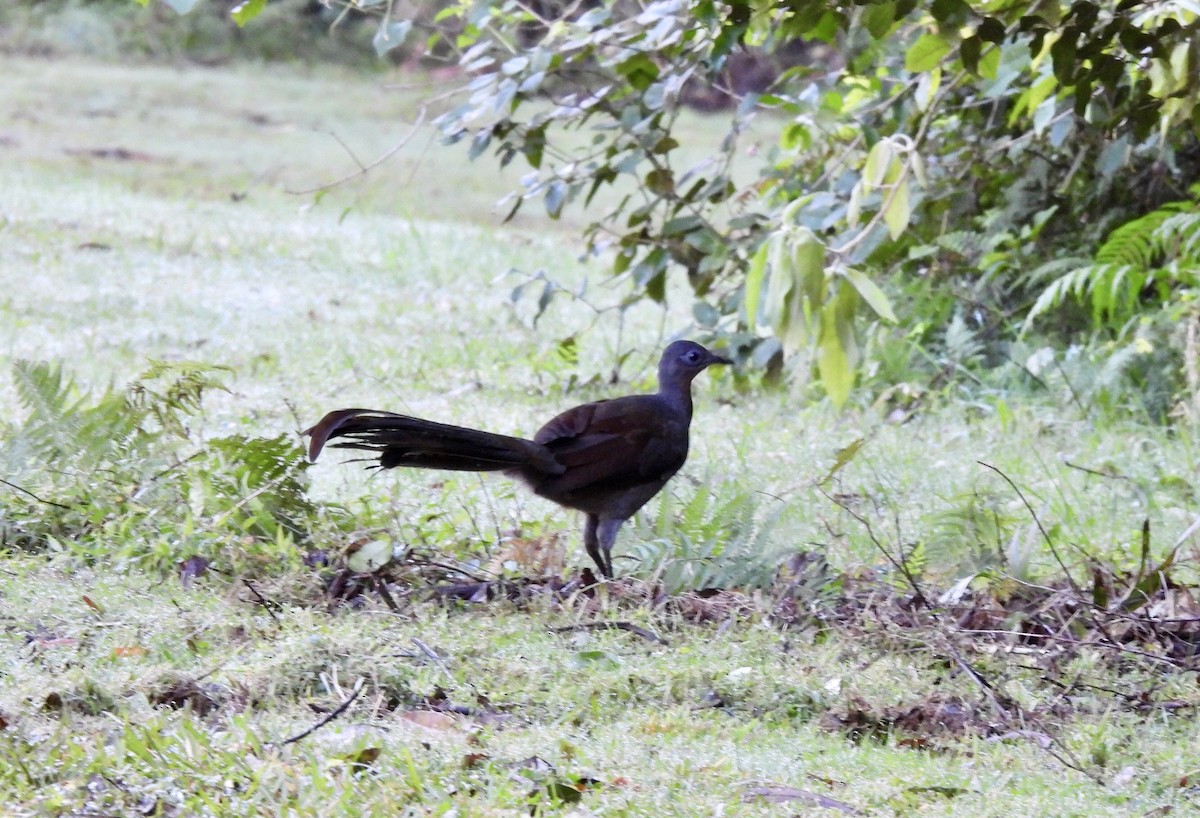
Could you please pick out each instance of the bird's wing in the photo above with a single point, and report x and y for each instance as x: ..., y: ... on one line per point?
x: 613, y: 442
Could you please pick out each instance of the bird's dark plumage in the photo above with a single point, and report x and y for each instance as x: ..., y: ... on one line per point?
x: 606, y: 459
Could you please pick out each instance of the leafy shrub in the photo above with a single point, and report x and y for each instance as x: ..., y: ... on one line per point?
x: 120, y: 476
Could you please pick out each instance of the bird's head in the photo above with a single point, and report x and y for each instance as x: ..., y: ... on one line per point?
x: 684, y: 360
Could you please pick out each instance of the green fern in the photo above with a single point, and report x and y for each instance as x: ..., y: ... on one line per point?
x: 120, y: 477
x: 63, y: 428
x: 708, y: 543
x: 1158, y: 252
x: 170, y: 391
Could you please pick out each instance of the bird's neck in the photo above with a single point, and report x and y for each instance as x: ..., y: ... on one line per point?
x: 677, y: 394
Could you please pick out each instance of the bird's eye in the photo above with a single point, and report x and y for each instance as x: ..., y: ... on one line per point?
x: 692, y: 357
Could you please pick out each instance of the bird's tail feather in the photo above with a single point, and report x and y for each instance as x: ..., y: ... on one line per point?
x: 401, y: 440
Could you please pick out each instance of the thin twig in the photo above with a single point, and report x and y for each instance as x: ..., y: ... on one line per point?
x: 1045, y: 534
x: 1068, y: 760
x: 645, y: 633
x: 262, y: 600
x: 1067, y: 640
x: 380, y: 585
x: 34, y: 496
x: 341, y: 708
x: 433, y: 656
x: 364, y: 169
x: 898, y: 564
x: 977, y: 677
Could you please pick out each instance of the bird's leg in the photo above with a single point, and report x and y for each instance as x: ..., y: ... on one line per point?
x: 607, y: 535
x: 592, y: 545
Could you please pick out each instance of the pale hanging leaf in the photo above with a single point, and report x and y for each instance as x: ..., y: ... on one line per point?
x: 899, y: 210
x: 833, y: 364
x: 878, y: 161
x: 854, y: 208
x: 754, y: 281
x: 779, y: 285
x: 871, y: 293
x: 846, y: 305
x: 556, y: 196
x: 809, y: 255
x: 796, y: 258
x: 389, y: 35
x: 927, y: 88
x: 917, y: 164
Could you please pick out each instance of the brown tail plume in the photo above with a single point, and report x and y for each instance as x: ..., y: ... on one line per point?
x: 401, y: 440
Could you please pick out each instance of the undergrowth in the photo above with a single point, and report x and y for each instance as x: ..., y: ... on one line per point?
x: 123, y: 478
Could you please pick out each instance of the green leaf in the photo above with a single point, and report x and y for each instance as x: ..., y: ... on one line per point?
x: 899, y: 210
x: 991, y: 30
x: 879, y: 18
x: 752, y: 290
x: 951, y: 12
x: 989, y: 63
x: 878, y: 161
x: 661, y: 181
x: 639, y: 71
x: 926, y: 53
x: 390, y: 35
x: 795, y: 136
x: 968, y: 51
x: 246, y: 11
x: 842, y: 459
x: 871, y: 293
x: 1062, y: 54
x: 833, y: 364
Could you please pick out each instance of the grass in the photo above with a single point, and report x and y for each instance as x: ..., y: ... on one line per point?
x: 393, y: 291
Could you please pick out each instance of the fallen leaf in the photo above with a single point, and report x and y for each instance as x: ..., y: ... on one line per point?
x: 773, y: 794
x: 945, y: 792
x: 129, y: 651
x: 87, y: 600
x: 1040, y: 739
x: 536, y: 764
x: 1124, y: 776
x: 430, y: 719
x: 368, y: 557
x: 362, y: 758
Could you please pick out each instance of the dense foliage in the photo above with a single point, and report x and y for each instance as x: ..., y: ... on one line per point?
x: 122, y: 477
x: 966, y: 158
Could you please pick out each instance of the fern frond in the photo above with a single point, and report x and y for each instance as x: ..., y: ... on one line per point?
x: 1133, y: 243
x: 1151, y: 256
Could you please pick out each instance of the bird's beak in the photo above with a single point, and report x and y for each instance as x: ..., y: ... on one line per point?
x: 718, y: 360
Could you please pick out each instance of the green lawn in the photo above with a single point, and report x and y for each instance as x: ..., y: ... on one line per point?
x: 144, y: 214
